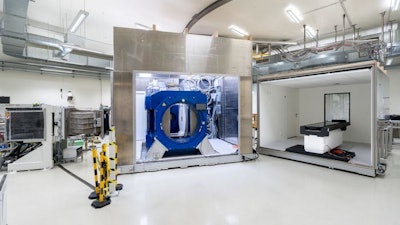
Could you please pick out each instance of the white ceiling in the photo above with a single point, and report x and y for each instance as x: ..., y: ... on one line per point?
x: 267, y: 19
x: 261, y: 18
x: 329, y: 79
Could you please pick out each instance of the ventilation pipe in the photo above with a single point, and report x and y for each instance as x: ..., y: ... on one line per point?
x: 335, y: 33
x: 344, y: 27
x: 15, y: 39
x: 383, y: 26
x: 304, y: 33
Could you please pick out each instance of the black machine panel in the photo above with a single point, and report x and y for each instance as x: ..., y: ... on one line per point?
x: 4, y: 100
x: 322, y: 129
x: 25, y: 125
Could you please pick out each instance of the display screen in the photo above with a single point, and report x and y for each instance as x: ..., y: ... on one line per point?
x: 25, y: 125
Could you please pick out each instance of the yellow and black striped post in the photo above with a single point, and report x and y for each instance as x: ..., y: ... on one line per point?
x: 112, y: 178
x: 106, y: 170
x: 95, y: 193
x: 114, y: 187
x: 117, y: 186
x: 113, y: 154
x: 103, y: 198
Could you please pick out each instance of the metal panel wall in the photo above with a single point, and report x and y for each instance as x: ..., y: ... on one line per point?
x: 218, y: 55
x: 123, y: 115
x: 245, y: 116
x: 230, y: 109
x: 381, y: 112
x: 139, y: 50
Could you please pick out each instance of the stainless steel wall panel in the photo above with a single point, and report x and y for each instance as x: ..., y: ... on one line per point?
x: 245, y: 116
x: 148, y: 50
x: 218, y: 55
x: 123, y: 114
x: 229, y: 122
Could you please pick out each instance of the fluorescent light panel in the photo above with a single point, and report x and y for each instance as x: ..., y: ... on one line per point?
x: 395, y: 5
x: 310, y: 32
x: 237, y: 30
x: 56, y: 70
x: 78, y: 20
x: 147, y: 75
x: 293, y: 13
x: 293, y: 16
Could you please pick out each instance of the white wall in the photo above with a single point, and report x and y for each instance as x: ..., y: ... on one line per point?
x: 394, y: 86
x: 312, y: 109
x: 254, y: 99
x: 278, y: 113
x: 29, y: 88
x: 283, y: 110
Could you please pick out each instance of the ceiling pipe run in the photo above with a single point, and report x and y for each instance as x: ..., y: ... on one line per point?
x: 344, y: 27
x: 18, y: 43
x: 335, y: 33
x: 345, y: 12
x: 196, y: 17
x: 304, y: 36
x: 383, y: 26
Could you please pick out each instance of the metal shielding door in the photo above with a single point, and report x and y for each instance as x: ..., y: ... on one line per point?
x: 381, y: 113
x: 292, y: 105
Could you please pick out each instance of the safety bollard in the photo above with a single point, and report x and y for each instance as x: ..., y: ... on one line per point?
x: 118, y: 186
x: 95, y: 193
x: 114, y: 187
x: 103, y: 198
x: 113, y: 154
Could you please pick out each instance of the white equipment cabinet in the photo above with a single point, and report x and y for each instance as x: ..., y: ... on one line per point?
x: 32, y: 126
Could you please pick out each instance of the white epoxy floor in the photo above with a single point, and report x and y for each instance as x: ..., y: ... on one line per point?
x: 266, y: 191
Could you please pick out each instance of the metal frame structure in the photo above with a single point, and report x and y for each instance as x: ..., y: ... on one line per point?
x: 41, y: 157
x: 378, y: 160
x: 3, y: 200
x: 176, y: 53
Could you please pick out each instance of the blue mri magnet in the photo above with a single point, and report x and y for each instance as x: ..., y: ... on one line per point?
x: 177, y: 124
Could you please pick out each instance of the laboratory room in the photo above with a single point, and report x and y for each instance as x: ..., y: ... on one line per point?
x: 199, y: 112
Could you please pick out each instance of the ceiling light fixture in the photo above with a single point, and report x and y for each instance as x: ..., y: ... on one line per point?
x: 146, y: 75
x: 142, y: 27
x: 292, y: 16
x: 395, y: 5
x: 237, y: 30
x: 78, y: 20
x: 55, y: 70
x: 310, y: 32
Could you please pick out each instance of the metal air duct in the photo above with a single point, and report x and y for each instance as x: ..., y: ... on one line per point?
x: 17, y: 42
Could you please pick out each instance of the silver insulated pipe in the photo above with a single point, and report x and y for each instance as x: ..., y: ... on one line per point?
x: 383, y: 26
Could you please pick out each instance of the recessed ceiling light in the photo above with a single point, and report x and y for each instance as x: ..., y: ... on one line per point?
x: 293, y: 14
x: 237, y: 30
